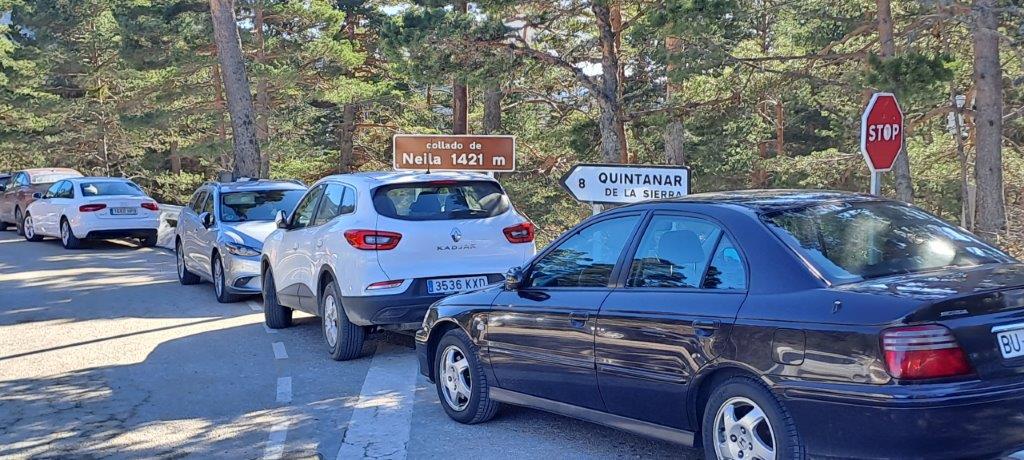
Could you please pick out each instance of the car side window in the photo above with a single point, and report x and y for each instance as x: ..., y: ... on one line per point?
x: 53, y: 190
x: 303, y: 215
x: 208, y: 206
x: 727, y: 270
x: 585, y: 259
x: 673, y: 252
x: 338, y: 199
x: 66, y: 190
x: 22, y: 180
x: 198, y: 201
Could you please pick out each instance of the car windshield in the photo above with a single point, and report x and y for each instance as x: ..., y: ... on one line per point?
x: 110, y: 188
x: 257, y: 205
x: 441, y: 200
x: 850, y: 242
x: 49, y: 178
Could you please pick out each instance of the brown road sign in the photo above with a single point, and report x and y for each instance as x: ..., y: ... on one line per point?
x: 420, y: 152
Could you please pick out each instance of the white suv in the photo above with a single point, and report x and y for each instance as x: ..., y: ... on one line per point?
x: 376, y: 249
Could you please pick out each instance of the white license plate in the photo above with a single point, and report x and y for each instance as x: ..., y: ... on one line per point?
x: 452, y: 285
x: 123, y: 211
x: 1011, y: 341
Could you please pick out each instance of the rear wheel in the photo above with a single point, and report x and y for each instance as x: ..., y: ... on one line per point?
x: 148, y: 241
x: 220, y: 283
x: 67, y: 237
x: 344, y: 339
x: 185, y: 277
x: 461, y: 383
x: 3, y: 226
x: 29, y: 229
x: 19, y: 222
x: 276, y: 316
x: 744, y: 421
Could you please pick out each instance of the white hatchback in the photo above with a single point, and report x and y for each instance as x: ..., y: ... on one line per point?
x: 93, y: 208
x: 374, y: 250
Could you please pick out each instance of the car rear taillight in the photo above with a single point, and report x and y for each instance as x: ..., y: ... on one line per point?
x: 923, y: 352
x: 384, y: 285
x: 151, y: 206
x: 370, y: 240
x: 521, y: 233
x: 91, y: 207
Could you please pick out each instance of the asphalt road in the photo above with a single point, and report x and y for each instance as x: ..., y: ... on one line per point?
x: 104, y: 354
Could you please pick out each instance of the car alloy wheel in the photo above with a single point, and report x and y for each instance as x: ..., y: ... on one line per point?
x: 218, y: 278
x: 331, y: 320
x: 64, y: 231
x: 743, y: 432
x: 29, y: 227
x: 181, y: 263
x: 456, y: 379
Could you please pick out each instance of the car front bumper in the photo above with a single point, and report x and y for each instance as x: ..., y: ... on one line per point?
x: 954, y: 421
x: 242, y: 274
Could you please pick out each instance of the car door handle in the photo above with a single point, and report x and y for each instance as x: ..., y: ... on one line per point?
x: 706, y: 328
x: 578, y: 319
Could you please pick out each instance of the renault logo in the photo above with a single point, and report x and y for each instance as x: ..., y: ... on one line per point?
x: 456, y: 235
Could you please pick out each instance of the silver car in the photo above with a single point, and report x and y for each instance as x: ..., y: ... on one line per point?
x: 219, y: 235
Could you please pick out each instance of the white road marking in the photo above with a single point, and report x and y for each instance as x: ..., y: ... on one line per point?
x: 275, y: 442
x: 254, y: 306
x: 380, y: 423
x: 284, y: 390
x: 279, y: 351
x: 268, y: 329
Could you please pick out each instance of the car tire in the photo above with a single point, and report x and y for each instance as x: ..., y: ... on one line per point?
x: 465, y: 405
x: 759, y: 423
x: 185, y: 277
x: 19, y: 222
x: 220, y: 285
x: 344, y: 339
x: 3, y: 226
x: 149, y: 241
x: 276, y: 316
x: 29, y: 229
x: 67, y: 236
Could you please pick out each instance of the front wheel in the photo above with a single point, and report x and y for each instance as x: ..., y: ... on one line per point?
x: 19, y: 222
x: 67, y: 236
x: 220, y: 285
x: 461, y: 383
x: 29, y: 228
x: 744, y: 421
x: 344, y: 339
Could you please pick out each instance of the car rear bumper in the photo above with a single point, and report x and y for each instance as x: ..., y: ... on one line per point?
x: 121, y: 233
x: 884, y: 423
x: 405, y: 308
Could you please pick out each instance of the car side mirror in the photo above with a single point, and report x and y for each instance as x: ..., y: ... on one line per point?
x: 281, y: 220
x: 513, y: 278
x: 207, y: 219
x: 37, y: 196
x: 3, y: 188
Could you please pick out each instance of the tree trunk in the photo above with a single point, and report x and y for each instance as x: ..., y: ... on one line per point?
x: 175, y: 158
x: 901, y: 168
x: 346, y: 138
x: 218, y: 104
x: 492, y: 109
x: 236, y: 87
x: 615, y: 19
x: 262, y: 93
x: 988, y: 79
x: 610, y: 121
x: 460, y: 93
x: 675, y: 132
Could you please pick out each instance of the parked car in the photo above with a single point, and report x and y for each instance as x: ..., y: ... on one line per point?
x: 82, y: 208
x: 761, y: 325
x: 374, y: 250
x: 219, y: 235
x: 16, y: 195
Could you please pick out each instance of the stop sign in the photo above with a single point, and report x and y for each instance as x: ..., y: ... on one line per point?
x: 881, y: 132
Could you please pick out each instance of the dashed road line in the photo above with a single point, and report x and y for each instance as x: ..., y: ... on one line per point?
x: 254, y: 306
x: 382, y: 418
x: 279, y: 351
x: 275, y: 442
x: 284, y: 390
x: 268, y: 329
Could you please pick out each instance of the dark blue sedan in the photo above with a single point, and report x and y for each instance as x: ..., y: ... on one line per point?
x: 760, y: 325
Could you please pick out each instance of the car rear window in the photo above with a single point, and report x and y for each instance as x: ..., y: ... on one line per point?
x: 441, y: 200
x: 110, y: 188
x: 257, y: 204
x: 850, y: 242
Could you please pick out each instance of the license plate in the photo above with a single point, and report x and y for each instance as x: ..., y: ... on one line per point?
x: 452, y: 285
x: 1011, y: 341
x: 123, y: 211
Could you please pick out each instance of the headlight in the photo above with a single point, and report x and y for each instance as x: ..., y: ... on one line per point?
x: 242, y: 250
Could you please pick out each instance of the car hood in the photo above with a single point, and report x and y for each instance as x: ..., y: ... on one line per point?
x: 251, y: 234
x: 942, y: 284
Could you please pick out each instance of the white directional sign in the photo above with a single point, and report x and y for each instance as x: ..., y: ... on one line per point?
x: 620, y: 184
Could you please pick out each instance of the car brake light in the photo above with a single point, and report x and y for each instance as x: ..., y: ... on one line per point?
x: 369, y: 240
x: 521, y: 233
x: 151, y: 206
x: 91, y: 207
x: 443, y: 182
x: 923, y: 352
x: 384, y: 285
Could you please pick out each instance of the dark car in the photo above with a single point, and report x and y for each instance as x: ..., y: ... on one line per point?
x: 761, y: 325
x: 18, y: 192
